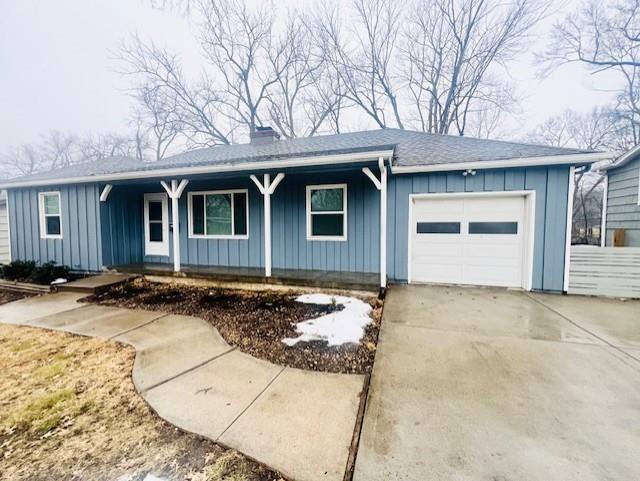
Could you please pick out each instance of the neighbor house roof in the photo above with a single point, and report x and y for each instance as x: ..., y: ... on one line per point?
x: 407, y: 150
x: 624, y: 159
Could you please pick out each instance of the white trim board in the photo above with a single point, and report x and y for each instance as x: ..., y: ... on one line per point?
x: 568, y: 159
x: 308, y: 161
x: 8, y: 206
x: 605, y: 201
x: 569, y: 228
x: 529, y: 220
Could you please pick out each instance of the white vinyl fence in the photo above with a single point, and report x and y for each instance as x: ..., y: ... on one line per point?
x: 605, y: 271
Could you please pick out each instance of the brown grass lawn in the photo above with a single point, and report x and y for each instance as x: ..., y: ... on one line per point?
x: 68, y: 410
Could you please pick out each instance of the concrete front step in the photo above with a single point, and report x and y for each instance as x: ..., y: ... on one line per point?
x: 95, y: 284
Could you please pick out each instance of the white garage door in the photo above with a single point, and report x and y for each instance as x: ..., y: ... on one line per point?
x: 478, y: 240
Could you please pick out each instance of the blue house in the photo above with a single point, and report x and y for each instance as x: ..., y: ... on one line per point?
x: 382, y: 205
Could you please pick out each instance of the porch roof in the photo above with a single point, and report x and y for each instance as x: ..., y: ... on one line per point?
x: 405, y: 148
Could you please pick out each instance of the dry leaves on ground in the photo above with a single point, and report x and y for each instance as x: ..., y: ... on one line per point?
x: 255, y: 322
x: 69, y: 411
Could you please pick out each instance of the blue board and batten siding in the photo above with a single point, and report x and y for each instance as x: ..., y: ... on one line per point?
x: 80, y: 246
x: 99, y: 234
x: 291, y: 249
x: 550, y: 184
x: 123, y: 228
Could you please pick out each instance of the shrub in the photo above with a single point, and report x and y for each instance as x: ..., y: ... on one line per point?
x: 49, y: 272
x: 18, y: 270
x: 27, y: 271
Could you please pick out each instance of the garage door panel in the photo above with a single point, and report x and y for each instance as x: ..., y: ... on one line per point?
x: 492, y: 254
x: 445, y: 272
x: 444, y: 207
x: 501, y: 276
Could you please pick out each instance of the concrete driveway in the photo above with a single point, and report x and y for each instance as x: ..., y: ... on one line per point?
x: 487, y: 384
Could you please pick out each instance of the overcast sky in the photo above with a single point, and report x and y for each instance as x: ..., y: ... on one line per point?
x: 57, y: 70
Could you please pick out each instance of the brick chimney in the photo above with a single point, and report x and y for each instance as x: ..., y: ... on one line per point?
x: 264, y: 135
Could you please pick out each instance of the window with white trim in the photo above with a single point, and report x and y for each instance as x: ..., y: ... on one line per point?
x: 50, y: 215
x: 327, y: 212
x: 219, y: 214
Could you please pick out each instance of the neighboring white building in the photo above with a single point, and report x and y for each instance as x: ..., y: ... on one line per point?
x: 4, y: 229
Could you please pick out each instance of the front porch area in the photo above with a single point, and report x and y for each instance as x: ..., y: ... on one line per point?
x: 308, y: 227
x: 366, y: 281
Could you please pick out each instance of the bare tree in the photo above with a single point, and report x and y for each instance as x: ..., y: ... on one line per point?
x: 105, y: 145
x: 236, y: 40
x: 23, y: 160
x: 158, y: 125
x: 434, y: 64
x: 59, y: 148
x: 599, y: 129
x: 302, y: 98
x: 452, y: 49
x: 604, y: 37
x: 365, y: 56
x: 196, y: 106
x: 593, y: 131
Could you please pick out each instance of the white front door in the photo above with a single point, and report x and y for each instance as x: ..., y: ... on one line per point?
x: 478, y: 240
x: 156, y: 225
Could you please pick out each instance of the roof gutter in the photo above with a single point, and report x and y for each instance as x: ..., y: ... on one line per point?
x: 567, y: 159
x: 308, y: 161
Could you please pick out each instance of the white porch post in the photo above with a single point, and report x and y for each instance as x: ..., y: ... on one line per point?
x: 383, y: 223
x: 267, y: 225
x: 266, y: 189
x: 175, y: 192
x: 176, y: 227
x: 381, y: 185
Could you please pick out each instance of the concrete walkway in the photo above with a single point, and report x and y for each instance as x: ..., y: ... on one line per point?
x: 298, y: 422
x: 489, y: 384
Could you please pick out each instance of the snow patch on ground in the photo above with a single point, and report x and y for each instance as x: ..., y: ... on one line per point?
x: 336, y: 328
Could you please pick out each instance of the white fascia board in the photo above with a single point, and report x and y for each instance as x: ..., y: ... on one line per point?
x: 310, y: 161
x: 568, y: 159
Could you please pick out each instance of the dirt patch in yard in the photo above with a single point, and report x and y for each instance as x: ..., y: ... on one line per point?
x: 69, y: 411
x: 10, y: 296
x: 255, y: 322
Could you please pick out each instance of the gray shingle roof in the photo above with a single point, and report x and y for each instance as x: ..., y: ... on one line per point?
x: 411, y: 148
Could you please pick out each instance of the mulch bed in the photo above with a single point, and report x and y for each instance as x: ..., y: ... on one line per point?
x: 10, y: 296
x: 255, y: 322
